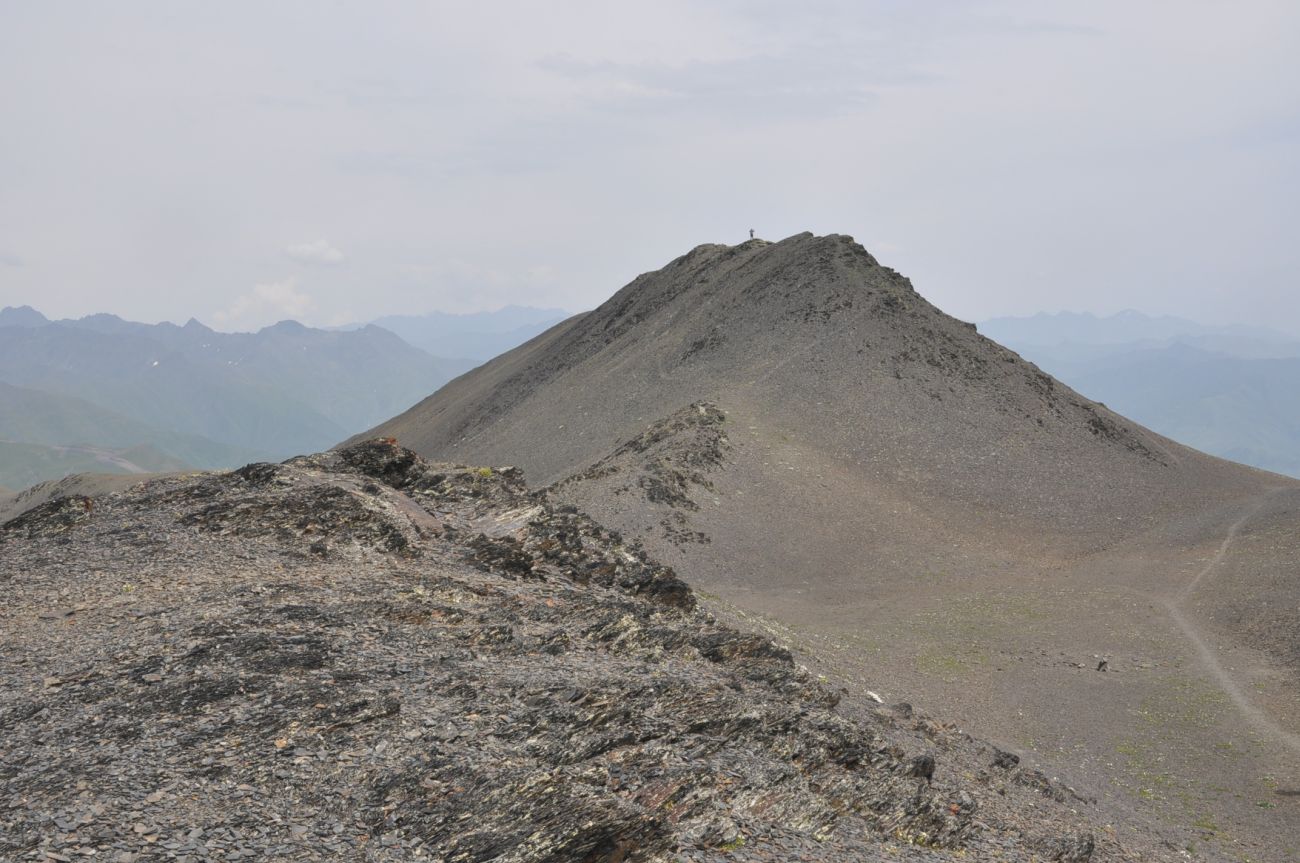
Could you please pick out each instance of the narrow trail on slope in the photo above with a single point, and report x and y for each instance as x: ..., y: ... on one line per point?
x: 1209, y: 659
x: 1213, y: 562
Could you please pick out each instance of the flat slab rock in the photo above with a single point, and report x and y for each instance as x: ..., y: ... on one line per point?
x: 364, y: 656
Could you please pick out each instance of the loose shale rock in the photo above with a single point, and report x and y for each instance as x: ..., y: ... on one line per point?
x: 364, y: 656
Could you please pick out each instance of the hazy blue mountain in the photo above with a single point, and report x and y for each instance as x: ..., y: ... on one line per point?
x: 479, y: 336
x: 1230, y: 391
x: 1247, y: 410
x: 205, y: 398
x: 46, y: 435
x: 1085, y: 335
x: 22, y: 316
x: 26, y: 464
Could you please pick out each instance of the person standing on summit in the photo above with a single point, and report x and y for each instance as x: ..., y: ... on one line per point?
x: 751, y: 233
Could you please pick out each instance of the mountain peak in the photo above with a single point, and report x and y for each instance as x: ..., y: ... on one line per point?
x: 284, y: 327
x: 22, y: 316
x: 813, y: 335
x: 102, y: 318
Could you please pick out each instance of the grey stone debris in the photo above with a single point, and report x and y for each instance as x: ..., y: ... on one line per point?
x: 462, y: 671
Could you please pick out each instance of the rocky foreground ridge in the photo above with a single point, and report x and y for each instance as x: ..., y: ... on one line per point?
x: 361, y: 655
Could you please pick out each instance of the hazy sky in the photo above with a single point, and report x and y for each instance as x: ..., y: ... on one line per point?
x: 246, y: 162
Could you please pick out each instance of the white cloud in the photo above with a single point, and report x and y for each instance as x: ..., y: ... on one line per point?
x: 265, y: 304
x: 315, y: 252
x: 998, y: 144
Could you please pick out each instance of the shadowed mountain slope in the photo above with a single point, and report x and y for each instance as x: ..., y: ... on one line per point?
x: 47, y: 436
x: 206, y: 398
x: 922, y: 511
x: 35, y: 416
x: 26, y: 464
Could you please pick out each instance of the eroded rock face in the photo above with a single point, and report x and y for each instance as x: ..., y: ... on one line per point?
x: 663, y: 470
x: 361, y: 655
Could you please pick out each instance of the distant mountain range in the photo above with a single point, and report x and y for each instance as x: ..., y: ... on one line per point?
x: 1130, y: 329
x: 479, y: 336
x: 102, y: 393
x: 1228, y: 390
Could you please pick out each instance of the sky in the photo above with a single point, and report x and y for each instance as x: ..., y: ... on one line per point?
x: 245, y: 162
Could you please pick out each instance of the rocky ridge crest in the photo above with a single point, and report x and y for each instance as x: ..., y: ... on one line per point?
x: 363, y: 655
